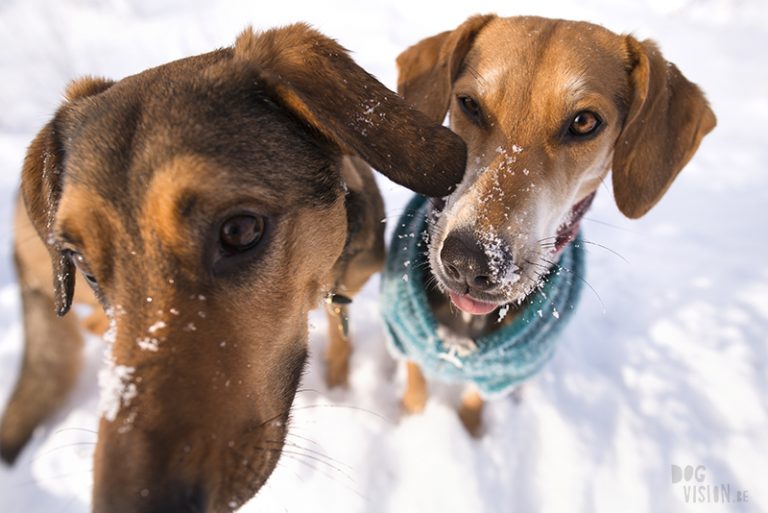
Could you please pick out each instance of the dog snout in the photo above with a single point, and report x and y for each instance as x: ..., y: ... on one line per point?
x: 180, y: 499
x: 466, y: 263
x: 168, y: 498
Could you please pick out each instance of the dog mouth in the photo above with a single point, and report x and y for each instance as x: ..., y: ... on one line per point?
x: 568, y: 230
x: 468, y: 304
x: 514, y: 291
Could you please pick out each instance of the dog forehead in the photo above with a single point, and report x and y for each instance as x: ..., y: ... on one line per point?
x: 519, y: 57
x: 119, y: 139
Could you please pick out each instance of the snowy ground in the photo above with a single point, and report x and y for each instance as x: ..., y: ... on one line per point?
x: 668, y: 367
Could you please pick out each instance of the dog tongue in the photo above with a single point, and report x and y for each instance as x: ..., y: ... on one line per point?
x: 471, y: 306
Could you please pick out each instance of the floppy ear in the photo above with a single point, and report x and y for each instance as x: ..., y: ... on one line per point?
x: 314, y: 77
x: 667, y: 118
x: 426, y: 70
x: 41, y: 178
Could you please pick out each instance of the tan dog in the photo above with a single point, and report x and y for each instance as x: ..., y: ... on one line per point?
x: 547, y: 108
x: 209, y: 205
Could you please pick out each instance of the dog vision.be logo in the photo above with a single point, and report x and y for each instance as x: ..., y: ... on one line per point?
x: 697, y: 490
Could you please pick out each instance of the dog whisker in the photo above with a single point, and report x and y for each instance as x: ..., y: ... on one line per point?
x: 52, y: 479
x: 304, y: 438
x: 476, y: 74
x: 346, y: 407
x: 609, y: 225
x: 325, y: 463
x: 329, y: 474
x: 607, y: 249
x: 326, y: 469
x: 85, y: 430
x: 600, y: 299
x: 59, y: 448
x: 318, y: 454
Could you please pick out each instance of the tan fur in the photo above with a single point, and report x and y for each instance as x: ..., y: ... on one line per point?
x: 531, y: 76
x: 415, y: 397
x: 137, y: 177
x: 471, y: 412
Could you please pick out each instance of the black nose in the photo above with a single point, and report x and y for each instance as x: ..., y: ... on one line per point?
x: 465, y: 262
x: 180, y: 500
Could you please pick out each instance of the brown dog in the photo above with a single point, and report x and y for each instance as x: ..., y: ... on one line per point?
x: 547, y: 108
x: 209, y: 205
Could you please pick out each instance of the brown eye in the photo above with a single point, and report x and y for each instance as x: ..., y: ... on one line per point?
x: 82, y: 266
x: 470, y: 107
x: 585, y: 123
x: 241, y: 232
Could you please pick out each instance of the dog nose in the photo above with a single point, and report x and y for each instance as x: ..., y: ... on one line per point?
x: 168, y: 499
x: 466, y: 262
x: 183, y: 500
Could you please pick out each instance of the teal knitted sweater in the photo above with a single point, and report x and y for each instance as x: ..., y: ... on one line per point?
x: 497, y: 362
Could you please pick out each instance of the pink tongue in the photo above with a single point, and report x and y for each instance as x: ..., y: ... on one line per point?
x: 471, y: 306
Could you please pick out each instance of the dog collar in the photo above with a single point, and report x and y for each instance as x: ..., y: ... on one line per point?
x: 495, y: 363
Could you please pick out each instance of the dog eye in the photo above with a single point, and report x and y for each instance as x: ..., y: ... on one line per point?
x: 470, y: 107
x: 585, y: 123
x: 82, y: 266
x: 241, y: 232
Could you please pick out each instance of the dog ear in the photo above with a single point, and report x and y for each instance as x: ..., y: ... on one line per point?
x: 314, y: 78
x: 41, y: 179
x: 426, y: 70
x: 667, y: 118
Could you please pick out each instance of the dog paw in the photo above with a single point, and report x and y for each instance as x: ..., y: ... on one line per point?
x: 414, y: 402
x: 472, y: 420
x: 471, y: 413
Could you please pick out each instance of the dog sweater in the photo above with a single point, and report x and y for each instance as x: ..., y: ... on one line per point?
x: 497, y: 362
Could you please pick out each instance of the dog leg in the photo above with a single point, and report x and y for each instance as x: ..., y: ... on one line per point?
x: 415, y: 397
x: 339, y: 349
x: 471, y: 412
x: 51, y: 362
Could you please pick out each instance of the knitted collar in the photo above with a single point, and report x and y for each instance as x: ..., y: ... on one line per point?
x: 497, y: 362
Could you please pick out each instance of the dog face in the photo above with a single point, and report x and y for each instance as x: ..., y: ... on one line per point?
x: 547, y: 108
x: 202, y: 202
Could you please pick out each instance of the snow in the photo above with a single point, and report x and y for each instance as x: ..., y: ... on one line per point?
x: 116, y: 385
x: 672, y: 370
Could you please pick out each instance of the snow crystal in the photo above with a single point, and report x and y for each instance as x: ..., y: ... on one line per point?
x: 117, y: 389
x: 115, y: 381
x: 157, y: 327
x: 497, y: 251
x: 148, y: 344
x: 503, y: 313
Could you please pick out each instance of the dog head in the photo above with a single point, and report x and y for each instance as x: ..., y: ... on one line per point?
x: 202, y: 202
x: 547, y: 108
